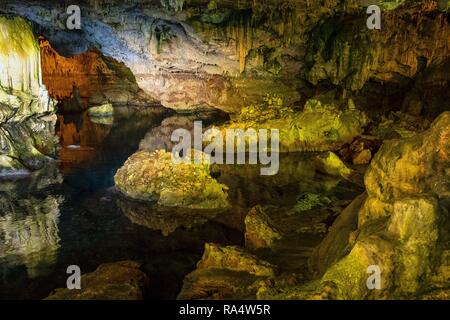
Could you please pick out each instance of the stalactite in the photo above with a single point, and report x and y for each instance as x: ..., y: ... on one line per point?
x: 239, y: 28
x: 19, y: 56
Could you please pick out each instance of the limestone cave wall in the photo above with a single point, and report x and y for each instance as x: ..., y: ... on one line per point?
x: 26, y: 121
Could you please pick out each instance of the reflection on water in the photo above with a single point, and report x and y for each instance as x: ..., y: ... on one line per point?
x: 29, y: 233
x: 70, y: 215
x: 166, y: 220
x: 29, y: 225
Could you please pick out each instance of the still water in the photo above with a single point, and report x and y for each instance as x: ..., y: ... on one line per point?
x: 70, y: 214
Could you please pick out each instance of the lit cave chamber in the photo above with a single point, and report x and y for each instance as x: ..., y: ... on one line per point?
x: 87, y: 176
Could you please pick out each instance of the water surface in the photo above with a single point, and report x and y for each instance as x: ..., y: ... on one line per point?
x: 69, y: 214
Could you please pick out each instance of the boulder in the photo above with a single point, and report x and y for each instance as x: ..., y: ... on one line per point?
x: 224, y: 273
x: 363, y: 157
x: 154, y: 176
x: 110, y: 281
x: 331, y: 164
x: 101, y: 111
x: 260, y: 231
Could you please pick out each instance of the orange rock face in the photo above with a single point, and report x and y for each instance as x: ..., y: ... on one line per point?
x: 97, y: 78
x: 87, y: 71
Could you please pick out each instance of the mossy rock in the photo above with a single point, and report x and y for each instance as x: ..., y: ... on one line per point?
x: 111, y: 281
x: 104, y: 110
x: 319, y: 127
x: 154, y: 176
x: 308, y: 201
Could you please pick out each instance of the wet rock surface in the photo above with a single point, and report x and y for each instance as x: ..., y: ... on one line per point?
x: 319, y: 127
x: 399, y: 226
x: 111, y: 281
x: 26, y: 112
x: 156, y: 177
x: 283, y: 236
x: 224, y: 273
x: 29, y: 222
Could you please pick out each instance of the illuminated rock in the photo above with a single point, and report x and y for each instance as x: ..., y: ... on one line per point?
x: 398, y: 227
x: 154, y: 176
x: 224, y: 273
x: 227, y: 54
x: 103, y: 111
x: 259, y: 230
x: 319, y: 127
x: 110, y: 281
x: 27, y: 124
x: 330, y: 163
x: 19, y: 56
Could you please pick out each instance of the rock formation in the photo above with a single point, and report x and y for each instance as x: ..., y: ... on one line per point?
x: 26, y: 121
x: 154, y: 176
x: 216, y: 53
x: 94, y: 77
x: 400, y: 225
x: 224, y: 273
x: 351, y: 101
x: 110, y: 281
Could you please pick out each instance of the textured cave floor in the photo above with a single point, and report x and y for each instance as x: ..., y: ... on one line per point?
x: 92, y: 229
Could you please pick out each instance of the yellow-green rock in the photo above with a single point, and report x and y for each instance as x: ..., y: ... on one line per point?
x: 319, y: 127
x: 260, y: 231
x: 104, y: 110
x: 111, y: 281
x: 331, y: 164
x: 154, y: 176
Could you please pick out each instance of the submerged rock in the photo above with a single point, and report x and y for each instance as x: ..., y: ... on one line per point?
x: 167, y: 220
x: 154, y: 176
x: 308, y: 201
x: 110, y: 281
x: 226, y: 272
x: 259, y: 230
